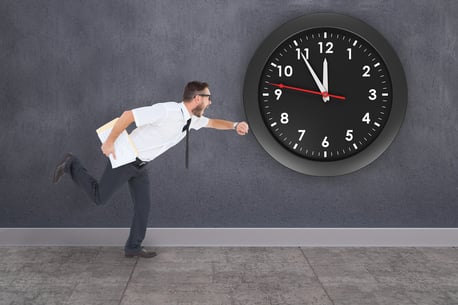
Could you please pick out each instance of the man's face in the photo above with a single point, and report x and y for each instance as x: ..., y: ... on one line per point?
x: 204, y: 100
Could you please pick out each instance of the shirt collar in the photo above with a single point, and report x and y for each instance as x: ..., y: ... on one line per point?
x: 184, y: 110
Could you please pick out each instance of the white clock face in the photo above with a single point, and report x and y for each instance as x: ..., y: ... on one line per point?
x: 325, y: 94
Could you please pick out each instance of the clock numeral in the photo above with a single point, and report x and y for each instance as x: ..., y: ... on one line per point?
x: 284, y: 118
x: 349, y: 53
x: 349, y: 136
x: 302, y: 132
x: 366, y: 118
x: 278, y: 93
x: 306, y: 51
x: 325, y: 142
x: 287, y: 71
x: 366, y: 70
x: 372, y: 94
x: 329, y: 46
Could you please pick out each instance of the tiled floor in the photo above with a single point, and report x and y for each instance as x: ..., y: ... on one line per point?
x: 217, y: 276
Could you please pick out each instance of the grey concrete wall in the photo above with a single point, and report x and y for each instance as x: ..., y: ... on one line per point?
x: 66, y: 67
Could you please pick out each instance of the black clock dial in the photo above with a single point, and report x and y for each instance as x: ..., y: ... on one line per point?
x: 325, y: 94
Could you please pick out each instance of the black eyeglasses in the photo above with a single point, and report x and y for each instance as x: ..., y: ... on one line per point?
x: 209, y: 96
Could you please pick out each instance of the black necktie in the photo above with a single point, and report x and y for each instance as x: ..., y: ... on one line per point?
x: 186, y: 128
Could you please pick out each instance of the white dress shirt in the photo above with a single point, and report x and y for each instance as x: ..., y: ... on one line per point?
x: 159, y: 127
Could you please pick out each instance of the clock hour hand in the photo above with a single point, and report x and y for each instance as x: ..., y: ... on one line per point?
x: 315, y: 78
x: 325, y: 79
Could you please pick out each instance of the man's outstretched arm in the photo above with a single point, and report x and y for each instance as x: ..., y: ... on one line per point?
x: 122, y: 123
x: 240, y: 127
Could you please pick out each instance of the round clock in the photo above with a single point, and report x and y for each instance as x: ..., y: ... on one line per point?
x: 325, y: 94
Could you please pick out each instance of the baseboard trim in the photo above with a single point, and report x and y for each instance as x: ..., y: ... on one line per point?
x: 235, y: 237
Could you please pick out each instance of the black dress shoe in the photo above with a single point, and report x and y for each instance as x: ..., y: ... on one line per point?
x: 142, y: 253
x: 60, y: 168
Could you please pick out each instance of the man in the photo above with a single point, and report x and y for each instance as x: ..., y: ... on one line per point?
x: 159, y: 127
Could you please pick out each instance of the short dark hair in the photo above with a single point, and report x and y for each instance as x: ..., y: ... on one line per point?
x: 192, y: 89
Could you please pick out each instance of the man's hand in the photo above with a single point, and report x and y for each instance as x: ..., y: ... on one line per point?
x: 242, y: 128
x: 108, y: 149
x: 123, y: 122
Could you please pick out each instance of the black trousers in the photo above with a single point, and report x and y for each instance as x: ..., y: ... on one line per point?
x: 101, y: 191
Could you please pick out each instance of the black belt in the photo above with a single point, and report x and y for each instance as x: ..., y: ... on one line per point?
x: 138, y: 163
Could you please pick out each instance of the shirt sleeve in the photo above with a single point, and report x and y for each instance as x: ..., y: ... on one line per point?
x: 197, y: 123
x: 149, y: 114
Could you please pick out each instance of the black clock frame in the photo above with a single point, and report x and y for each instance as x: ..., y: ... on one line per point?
x: 252, y: 87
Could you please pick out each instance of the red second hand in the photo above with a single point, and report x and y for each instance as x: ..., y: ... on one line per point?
x: 281, y: 86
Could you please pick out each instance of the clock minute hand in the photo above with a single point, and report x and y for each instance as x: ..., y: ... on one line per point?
x: 315, y: 77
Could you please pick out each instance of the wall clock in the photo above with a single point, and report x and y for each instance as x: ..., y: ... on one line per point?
x: 325, y: 94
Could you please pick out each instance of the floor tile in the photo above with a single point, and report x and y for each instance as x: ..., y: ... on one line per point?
x: 94, y: 293
x: 149, y: 272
